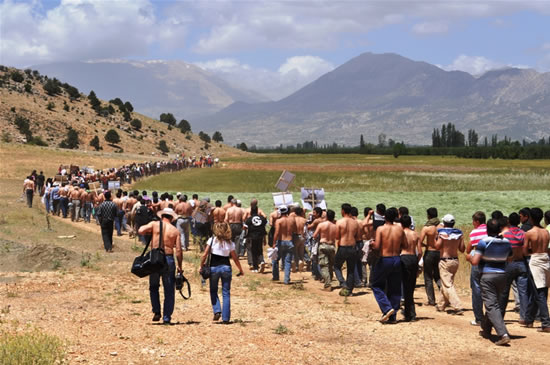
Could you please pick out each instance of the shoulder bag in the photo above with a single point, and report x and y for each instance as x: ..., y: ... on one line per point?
x: 205, y: 270
x: 151, y: 262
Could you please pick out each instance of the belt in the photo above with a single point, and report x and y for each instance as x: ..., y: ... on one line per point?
x: 448, y: 258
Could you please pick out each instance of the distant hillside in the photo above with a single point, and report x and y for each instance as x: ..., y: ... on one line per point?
x: 154, y: 87
x: 404, y: 99
x: 50, y: 117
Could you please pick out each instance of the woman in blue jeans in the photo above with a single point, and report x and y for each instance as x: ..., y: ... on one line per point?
x: 220, y: 248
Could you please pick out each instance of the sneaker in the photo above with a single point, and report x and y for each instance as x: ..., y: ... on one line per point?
x: 156, y: 317
x: 525, y: 324
x: 217, y: 316
x: 300, y: 266
x: 475, y: 323
x: 385, y: 317
x: 458, y: 312
x: 503, y: 340
x: 262, y: 267
x: 544, y: 329
x: 429, y: 304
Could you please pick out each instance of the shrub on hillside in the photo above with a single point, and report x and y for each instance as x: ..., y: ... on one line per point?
x: 184, y: 126
x: 95, y: 143
x: 24, y: 126
x: 112, y: 136
x: 28, y: 88
x: 128, y: 106
x: 71, y: 141
x: 168, y: 118
x: 17, y: 76
x: 136, y: 124
x: 217, y: 136
x: 50, y: 106
x: 204, y: 137
x: 163, y: 146
x: 51, y: 87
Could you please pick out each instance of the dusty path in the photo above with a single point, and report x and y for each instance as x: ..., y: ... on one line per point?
x: 103, y: 313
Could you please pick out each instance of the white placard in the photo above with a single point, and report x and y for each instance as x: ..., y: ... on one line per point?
x: 285, y: 180
x: 313, y: 197
x: 282, y: 199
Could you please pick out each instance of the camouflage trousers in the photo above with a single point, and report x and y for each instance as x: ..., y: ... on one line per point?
x: 326, y: 261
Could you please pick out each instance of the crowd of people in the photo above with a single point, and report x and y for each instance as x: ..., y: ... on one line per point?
x: 382, y: 250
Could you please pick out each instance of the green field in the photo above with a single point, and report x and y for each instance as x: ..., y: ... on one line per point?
x: 456, y: 186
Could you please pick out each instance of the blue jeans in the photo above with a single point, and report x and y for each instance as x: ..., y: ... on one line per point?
x: 516, y: 271
x: 87, y: 211
x: 169, y: 285
x: 477, y: 302
x: 286, y: 255
x: 387, y: 279
x: 223, y: 272
x: 118, y: 222
x: 64, y: 202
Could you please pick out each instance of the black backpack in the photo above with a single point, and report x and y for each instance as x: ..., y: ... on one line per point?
x: 143, y: 216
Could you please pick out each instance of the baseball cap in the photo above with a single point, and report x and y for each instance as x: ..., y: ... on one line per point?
x: 283, y: 209
x: 448, y: 218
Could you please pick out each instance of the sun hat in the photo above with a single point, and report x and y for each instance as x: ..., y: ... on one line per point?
x: 167, y: 211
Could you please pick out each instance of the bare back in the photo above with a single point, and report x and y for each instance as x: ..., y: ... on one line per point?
x: 327, y: 232
x: 234, y: 215
x: 449, y: 247
x: 300, y: 223
x: 536, y: 240
x: 284, y: 228
x: 428, y: 234
x: 349, y: 231
x: 412, y: 246
x: 390, y: 239
x: 218, y: 214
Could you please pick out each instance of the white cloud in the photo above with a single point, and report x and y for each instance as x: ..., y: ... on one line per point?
x: 83, y: 29
x: 293, y: 74
x: 476, y: 65
x: 430, y: 28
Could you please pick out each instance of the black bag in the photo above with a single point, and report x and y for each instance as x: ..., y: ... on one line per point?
x: 152, y: 262
x: 205, y: 270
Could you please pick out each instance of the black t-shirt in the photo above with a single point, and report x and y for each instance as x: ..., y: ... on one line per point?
x: 256, y: 226
x: 143, y: 216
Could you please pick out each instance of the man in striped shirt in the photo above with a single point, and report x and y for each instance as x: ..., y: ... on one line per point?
x: 478, y: 233
x: 516, y: 270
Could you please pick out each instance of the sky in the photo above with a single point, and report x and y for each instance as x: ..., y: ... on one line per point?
x: 276, y: 47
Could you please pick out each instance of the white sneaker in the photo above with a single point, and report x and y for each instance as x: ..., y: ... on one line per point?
x: 300, y: 266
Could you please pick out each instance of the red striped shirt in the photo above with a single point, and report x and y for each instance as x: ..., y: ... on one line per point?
x: 515, y: 236
x: 478, y: 234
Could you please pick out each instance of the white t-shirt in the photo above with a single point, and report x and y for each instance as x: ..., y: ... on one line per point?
x: 217, y: 248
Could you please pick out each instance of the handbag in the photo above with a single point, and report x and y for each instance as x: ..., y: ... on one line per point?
x: 151, y: 262
x: 205, y: 270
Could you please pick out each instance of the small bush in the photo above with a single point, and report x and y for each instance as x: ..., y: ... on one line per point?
x: 34, y: 348
x: 28, y: 88
x: 163, y: 146
x: 50, y: 106
x: 66, y: 107
x: 6, y: 137
x: 17, y: 76
x: 282, y: 330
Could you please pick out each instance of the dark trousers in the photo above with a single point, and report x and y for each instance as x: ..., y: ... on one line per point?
x: 492, y: 286
x: 348, y: 255
x: 256, y: 251
x: 386, y: 285
x: 431, y: 274
x: 107, y: 235
x: 29, y: 193
x: 409, y: 269
x: 168, y: 277
x: 516, y: 271
x: 538, y: 299
x: 56, y: 206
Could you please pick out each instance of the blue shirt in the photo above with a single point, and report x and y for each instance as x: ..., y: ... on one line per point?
x: 55, y: 193
x: 494, y: 251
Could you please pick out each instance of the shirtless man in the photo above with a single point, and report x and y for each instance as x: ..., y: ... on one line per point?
x: 28, y: 189
x: 327, y: 233
x: 536, y: 245
x: 171, y: 244
x: 410, y: 256
x: 272, y: 219
x: 228, y: 205
x: 299, y: 238
x: 234, y: 216
x: 253, y: 203
x: 120, y: 214
x: 285, y: 227
x: 449, y: 241
x: 431, y: 255
x: 74, y: 198
x: 349, y: 232
x: 386, y: 286
x: 88, y: 203
x: 218, y: 213
x: 128, y: 207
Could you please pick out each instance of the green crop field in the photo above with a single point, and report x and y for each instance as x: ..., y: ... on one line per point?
x: 457, y: 186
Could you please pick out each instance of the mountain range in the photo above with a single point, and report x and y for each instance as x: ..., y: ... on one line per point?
x: 370, y: 94
x: 404, y: 99
x: 153, y: 87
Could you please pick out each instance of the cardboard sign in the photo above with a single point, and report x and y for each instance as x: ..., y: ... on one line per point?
x: 95, y: 187
x: 113, y: 185
x: 285, y: 180
x: 61, y: 178
x: 313, y: 197
x: 282, y: 199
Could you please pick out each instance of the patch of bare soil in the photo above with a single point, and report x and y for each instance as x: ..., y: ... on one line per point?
x: 335, y: 167
x: 41, y: 257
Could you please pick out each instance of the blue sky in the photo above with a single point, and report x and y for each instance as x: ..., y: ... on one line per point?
x: 277, y: 46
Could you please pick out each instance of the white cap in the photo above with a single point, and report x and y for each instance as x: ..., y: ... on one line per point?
x: 448, y: 218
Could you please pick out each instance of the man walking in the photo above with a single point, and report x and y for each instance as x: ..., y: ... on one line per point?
x: 285, y: 227
x: 449, y: 241
x: 107, y: 213
x: 184, y: 210
x: 478, y: 233
x: 28, y: 189
x: 171, y: 243
x: 491, y: 254
x: 327, y: 232
x: 431, y: 255
x: 349, y: 232
x: 410, y: 256
x: 386, y: 286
